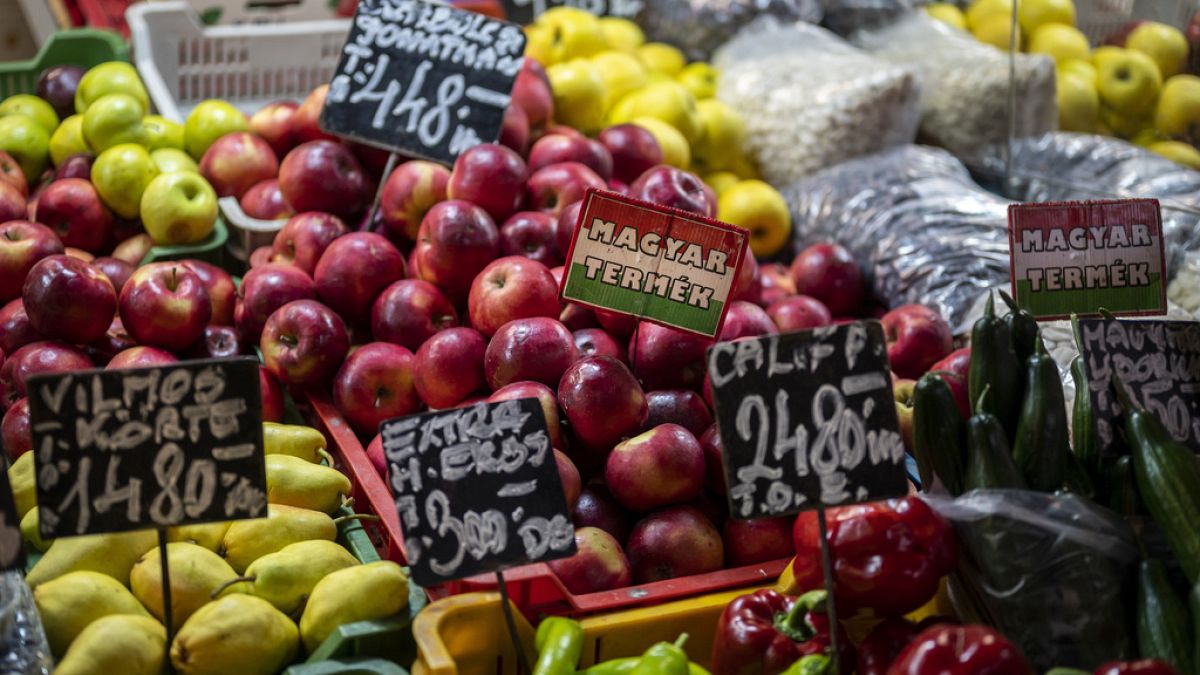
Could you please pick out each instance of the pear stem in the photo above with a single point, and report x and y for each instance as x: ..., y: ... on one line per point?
x: 357, y: 516
x: 236, y: 580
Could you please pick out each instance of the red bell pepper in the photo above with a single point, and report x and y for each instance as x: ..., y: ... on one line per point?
x: 1142, y: 667
x: 887, y: 556
x: 764, y: 632
x: 884, y: 643
x: 960, y: 650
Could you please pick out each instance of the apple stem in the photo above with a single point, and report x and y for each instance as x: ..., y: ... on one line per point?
x: 288, y: 340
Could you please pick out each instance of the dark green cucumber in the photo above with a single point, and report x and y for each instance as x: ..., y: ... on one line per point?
x: 938, y: 435
x: 1041, y: 446
x: 1164, y: 628
x: 994, y: 364
x: 989, y: 460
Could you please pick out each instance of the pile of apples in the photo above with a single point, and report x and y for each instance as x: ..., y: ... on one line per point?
x: 1140, y: 85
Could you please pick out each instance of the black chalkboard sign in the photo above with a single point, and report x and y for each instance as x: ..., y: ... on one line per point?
x: 423, y: 79
x: 477, y: 490
x: 1159, y: 362
x: 12, y: 554
x: 526, y: 11
x: 807, y: 420
x: 141, y: 448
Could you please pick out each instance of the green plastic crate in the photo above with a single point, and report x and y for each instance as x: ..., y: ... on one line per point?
x: 211, y: 250
x: 84, y: 47
x: 348, y: 667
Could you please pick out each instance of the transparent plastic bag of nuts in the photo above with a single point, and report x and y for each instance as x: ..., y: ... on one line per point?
x: 810, y: 100
x: 700, y: 26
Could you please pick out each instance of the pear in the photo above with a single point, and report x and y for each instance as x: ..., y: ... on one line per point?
x: 123, y: 643
x: 29, y: 530
x: 295, y: 482
x: 111, y: 554
x: 235, y: 634
x: 286, y: 578
x: 249, y: 540
x: 21, y: 480
x: 195, y: 573
x: 296, y: 441
x: 73, y: 601
x: 362, y: 593
x: 208, y: 535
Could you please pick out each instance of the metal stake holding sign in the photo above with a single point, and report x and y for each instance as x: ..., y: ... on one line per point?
x: 169, y: 445
x: 808, y: 421
x: 12, y: 551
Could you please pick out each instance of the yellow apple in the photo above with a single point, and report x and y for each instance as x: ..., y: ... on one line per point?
x: 1060, y: 42
x: 113, y: 120
x: 33, y: 107
x: 1165, y: 44
x: 996, y: 30
x: 661, y: 57
x: 538, y: 43
x: 1128, y: 82
x: 207, y: 122
x: 573, y: 32
x: 622, y: 34
x: 1034, y: 14
x: 1178, y: 151
x: 1178, y: 112
x: 1124, y: 125
x: 675, y: 148
x: 745, y: 168
x: 179, y: 208
x: 720, y: 181
x: 113, y: 77
x: 721, y: 139
x: 759, y: 208
x: 162, y: 133
x: 1077, y: 68
x: 578, y: 94
x: 947, y: 13
x: 170, y: 160
x: 669, y: 101
x: 67, y: 139
x: 28, y: 142
x: 1146, y: 137
x: 982, y: 9
x: 700, y: 78
x: 121, y: 174
x: 621, y: 73
x: 1078, y: 103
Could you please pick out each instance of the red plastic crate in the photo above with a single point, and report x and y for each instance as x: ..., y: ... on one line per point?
x: 533, y: 588
x: 107, y: 14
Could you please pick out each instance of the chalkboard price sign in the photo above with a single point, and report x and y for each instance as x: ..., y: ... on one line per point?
x: 477, y: 490
x: 807, y: 420
x: 1159, y: 363
x: 156, y: 447
x: 12, y: 555
x: 424, y: 79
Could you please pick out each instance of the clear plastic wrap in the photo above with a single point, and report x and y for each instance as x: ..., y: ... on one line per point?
x: 1047, y: 570
x: 915, y: 220
x: 810, y: 101
x: 1185, y: 287
x: 698, y: 27
x: 965, y: 83
x: 846, y: 16
x: 23, y: 646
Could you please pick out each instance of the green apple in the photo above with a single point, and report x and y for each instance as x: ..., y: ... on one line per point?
x: 28, y: 142
x: 621, y: 74
x: 1128, y: 82
x: 1178, y: 112
x: 1060, y: 42
x: 113, y: 77
x: 1078, y: 102
x: 113, y: 120
x: 170, y: 160
x: 573, y: 33
x: 760, y: 209
x: 67, y: 140
x: 661, y: 57
x: 209, y: 121
x: 162, y: 133
x: 699, y: 78
x: 721, y: 137
x: 578, y: 94
x: 31, y: 106
x: 1165, y: 44
x: 179, y: 208
x: 669, y: 101
x: 675, y: 148
x: 1033, y: 14
x: 622, y: 35
x: 121, y: 174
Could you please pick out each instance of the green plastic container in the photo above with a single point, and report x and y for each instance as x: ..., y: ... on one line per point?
x: 84, y: 47
x: 348, y: 667
x: 211, y: 250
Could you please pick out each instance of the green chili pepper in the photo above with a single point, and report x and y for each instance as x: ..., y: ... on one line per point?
x: 813, y: 664
x: 664, y: 658
x: 1022, y: 328
x: 626, y: 665
x: 559, y: 642
x: 994, y: 364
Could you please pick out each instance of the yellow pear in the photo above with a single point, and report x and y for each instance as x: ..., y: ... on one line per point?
x: 249, y: 540
x: 1165, y: 44
x: 362, y: 593
x: 759, y: 208
x: 1178, y: 151
x: 1178, y: 111
x: 622, y: 34
x: 295, y: 482
x: 235, y: 634
x: 21, y: 480
x: 674, y: 146
x: 286, y: 578
x: 122, y: 643
x: 195, y: 573
x: 1128, y: 81
x: 578, y: 94
x: 32, y: 533
x: 980, y: 10
x: 1060, y: 42
x: 71, y: 602
x: 1034, y: 14
x: 295, y: 440
x: 947, y: 13
x: 661, y: 57
x: 996, y: 30
x: 208, y: 535
x: 720, y: 141
x: 111, y: 554
x: 1078, y: 103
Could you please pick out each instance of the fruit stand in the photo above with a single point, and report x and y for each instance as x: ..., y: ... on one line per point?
x: 511, y: 337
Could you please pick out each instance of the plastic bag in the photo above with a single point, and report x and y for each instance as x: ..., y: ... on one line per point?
x: 23, y: 646
x: 965, y: 83
x: 810, y: 101
x: 1046, y: 570
x: 846, y: 16
x: 700, y: 26
x: 1184, y: 289
x: 912, y: 216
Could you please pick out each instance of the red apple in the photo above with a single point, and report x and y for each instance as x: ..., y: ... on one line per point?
x: 568, y: 475
x: 666, y: 358
x: 674, y: 542
x: 324, y: 176
x: 599, y: 564
x: 597, y: 508
x: 411, y: 311
x: 218, y: 342
x: 827, y: 272
x: 449, y: 367
x: 117, y: 271
x: 532, y: 234
x: 272, y: 396
x: 541, y: 392
x: 799, y: 312
x: 748, y: 285
x: 532, y: 92
x: 408, y: 194
x: 133, y: 250
x: 67, y: 299
x: 375, y: 384
x: 662, y: 466
x: 265, y: 289
x: 511, y: 288
x: 78, y: 254
x: 552, y: 188
x: 713, y: 507
x: 304, y: 237
x: 668, y: 186
x: 78, y: 165
x: 776, y: 283
x: 557, y: 148
x: 353, y: 271
x: 15, y: 329
x: 141, y: 357
x: 620, y: 326
x: 303, y: 343
x: 116, y: 340
x: 618, y: 187
x: 274, y: 122
x: 714, y: 460
x: 38, y: 358
x: 457, y: 239
x: 955, y: 369
x: 12, y: 203
x: 634, y: 151
x: 15, y: 431
x: 165, y: 305
x: 602, y: 401
x: 305, y: 120
x: 577, y: 317
x: 749, y: 542
x: 564, y: 231
x: 374, y: 160
x: 263, y: 255
x: 917, y: 337
x: 237, y: 161
x: 744, y: 319
x: 222, y: 292
x: 538, y: 349
x: 264, y: 201
x: 598, y: 342
x: 71, y: 207
x: 22, y: 245
x: 514, y: 132
x: 490, y: 176
x: 683, y: 407
x: 11, y: 173
x: 375, y: 454
x: 902, y: 391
